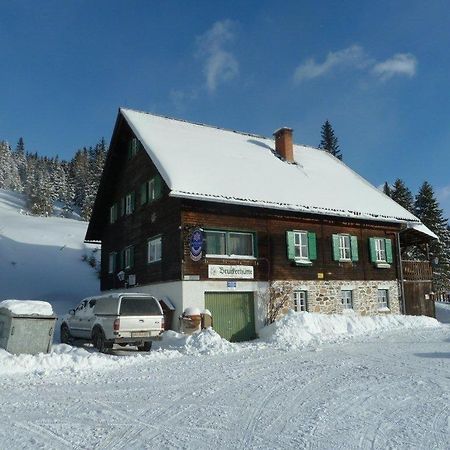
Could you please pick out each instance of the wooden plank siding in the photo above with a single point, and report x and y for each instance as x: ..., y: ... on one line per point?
x: 270, y: 229
x: 158, y: 217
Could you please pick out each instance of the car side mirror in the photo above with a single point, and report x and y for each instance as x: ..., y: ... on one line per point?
x: 72, y: 312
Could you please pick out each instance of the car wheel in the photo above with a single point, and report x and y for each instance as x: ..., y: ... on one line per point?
x: 146, y: 347
x: 66, y: 338
x: 99, y: 341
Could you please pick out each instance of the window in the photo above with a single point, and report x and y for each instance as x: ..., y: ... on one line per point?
x: 129, y: 203
x: 129, y: 257
x: 301, y: 244
x: 112, y: 258
x: 345, y: 247
x: 151, y: 190
x: 154, y: 249
x: 380, y: 251
x: 230, y: 244
x: 347, y: 299
x: 301, y: 247
x: 133, y: 147
x: 300, y: 301
x: 113, y: 213
x: 383, y: 298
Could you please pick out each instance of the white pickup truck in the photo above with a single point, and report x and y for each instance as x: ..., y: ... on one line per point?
x: 120, y: 318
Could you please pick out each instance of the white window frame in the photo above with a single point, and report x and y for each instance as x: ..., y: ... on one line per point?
x: 151, y: 190
x: 227, y: 253
x: 345, y: 247
x: 300, y: 300
x: 303, y: 249
x: 129, y: 204
x: 380, y: 250
x: 347, y: 298
x: 112, y: 261
x: 383, y: 300
x: 127, y: 257
x: 154, y: 249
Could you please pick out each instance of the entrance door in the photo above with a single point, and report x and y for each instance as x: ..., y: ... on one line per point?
x: 233, y: 314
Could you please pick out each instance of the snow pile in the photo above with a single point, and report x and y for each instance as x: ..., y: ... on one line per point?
x: 205, y: 342
x: 300, y: 329
x: 67, y: 359
x: 443, y: 312
x: 27, y: 307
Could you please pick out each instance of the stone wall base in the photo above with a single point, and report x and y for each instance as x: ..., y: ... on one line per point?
x: 325, y: 296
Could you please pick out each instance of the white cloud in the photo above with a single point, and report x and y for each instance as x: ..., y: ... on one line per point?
x: 353, y: 56
x: 220, y: 65
x: 404, y: 64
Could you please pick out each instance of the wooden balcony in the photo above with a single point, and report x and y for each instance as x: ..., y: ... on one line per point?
x: 417, y: 271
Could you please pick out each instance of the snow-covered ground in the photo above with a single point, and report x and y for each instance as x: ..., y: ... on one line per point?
x: 367, y: 385
x: 41, y: 257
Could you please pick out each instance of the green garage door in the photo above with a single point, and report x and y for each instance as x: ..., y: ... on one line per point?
x: 233, y: 314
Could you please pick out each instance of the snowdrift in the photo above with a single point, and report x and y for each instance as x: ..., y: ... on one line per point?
x: 294, y: 331
x: 207, y: 342
x: 300, y: 329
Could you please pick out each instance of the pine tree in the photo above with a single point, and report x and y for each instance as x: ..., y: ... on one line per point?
x: 402, y: 195
x: 329, y: 141
x: 387, y: 189
x: 20, y: 159
x: 9, y: 175
x: 427, y: 209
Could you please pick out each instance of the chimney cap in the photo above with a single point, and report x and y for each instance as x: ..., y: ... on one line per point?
x: 282, y: 130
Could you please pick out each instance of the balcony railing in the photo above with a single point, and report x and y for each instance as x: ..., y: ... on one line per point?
x: 417, y: 270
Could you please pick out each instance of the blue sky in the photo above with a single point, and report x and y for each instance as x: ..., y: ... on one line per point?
x: 379, y: 71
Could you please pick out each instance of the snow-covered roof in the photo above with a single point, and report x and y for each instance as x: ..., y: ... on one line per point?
x: 421, y: 228
x: 207, y: 163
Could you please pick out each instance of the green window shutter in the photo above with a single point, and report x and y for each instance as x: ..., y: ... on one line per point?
x: 290, y: 245
x: 122, y: 206
x: 158, y: 187
x: 133, y: 201
x: 131, y: 257
x: 255, y: 245
x: 354, y: 247
x: 130, y: 149
x: 144, y: 193
x: 312, y: 246
x: 373, y: 251
x: 120, y: 260
x: 389, y: 257
x: 335, y: 243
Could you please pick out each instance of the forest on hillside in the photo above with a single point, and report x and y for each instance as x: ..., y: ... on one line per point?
x: 46, y: 180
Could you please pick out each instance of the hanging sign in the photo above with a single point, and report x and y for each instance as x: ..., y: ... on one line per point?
x: 196, y: 245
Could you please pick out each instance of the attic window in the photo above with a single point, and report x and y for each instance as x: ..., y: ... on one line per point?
x: 133, y: 147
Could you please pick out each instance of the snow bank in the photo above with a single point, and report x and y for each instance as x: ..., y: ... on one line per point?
x: 443, y: 312
x: 301, y: 329
x: 27, y: 307
x: 67, y: 359
x: 205, y: 342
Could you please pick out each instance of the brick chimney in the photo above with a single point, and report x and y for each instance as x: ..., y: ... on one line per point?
x: 283, y: 143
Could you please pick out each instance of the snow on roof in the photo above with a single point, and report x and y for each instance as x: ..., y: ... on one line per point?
x: 27, y: 307
x: 421, y: 228
x: 206, y: 163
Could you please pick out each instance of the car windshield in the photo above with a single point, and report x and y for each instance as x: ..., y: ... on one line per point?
x: 144, y: 306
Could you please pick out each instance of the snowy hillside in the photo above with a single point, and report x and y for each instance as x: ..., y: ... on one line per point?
x: 41, y: 257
